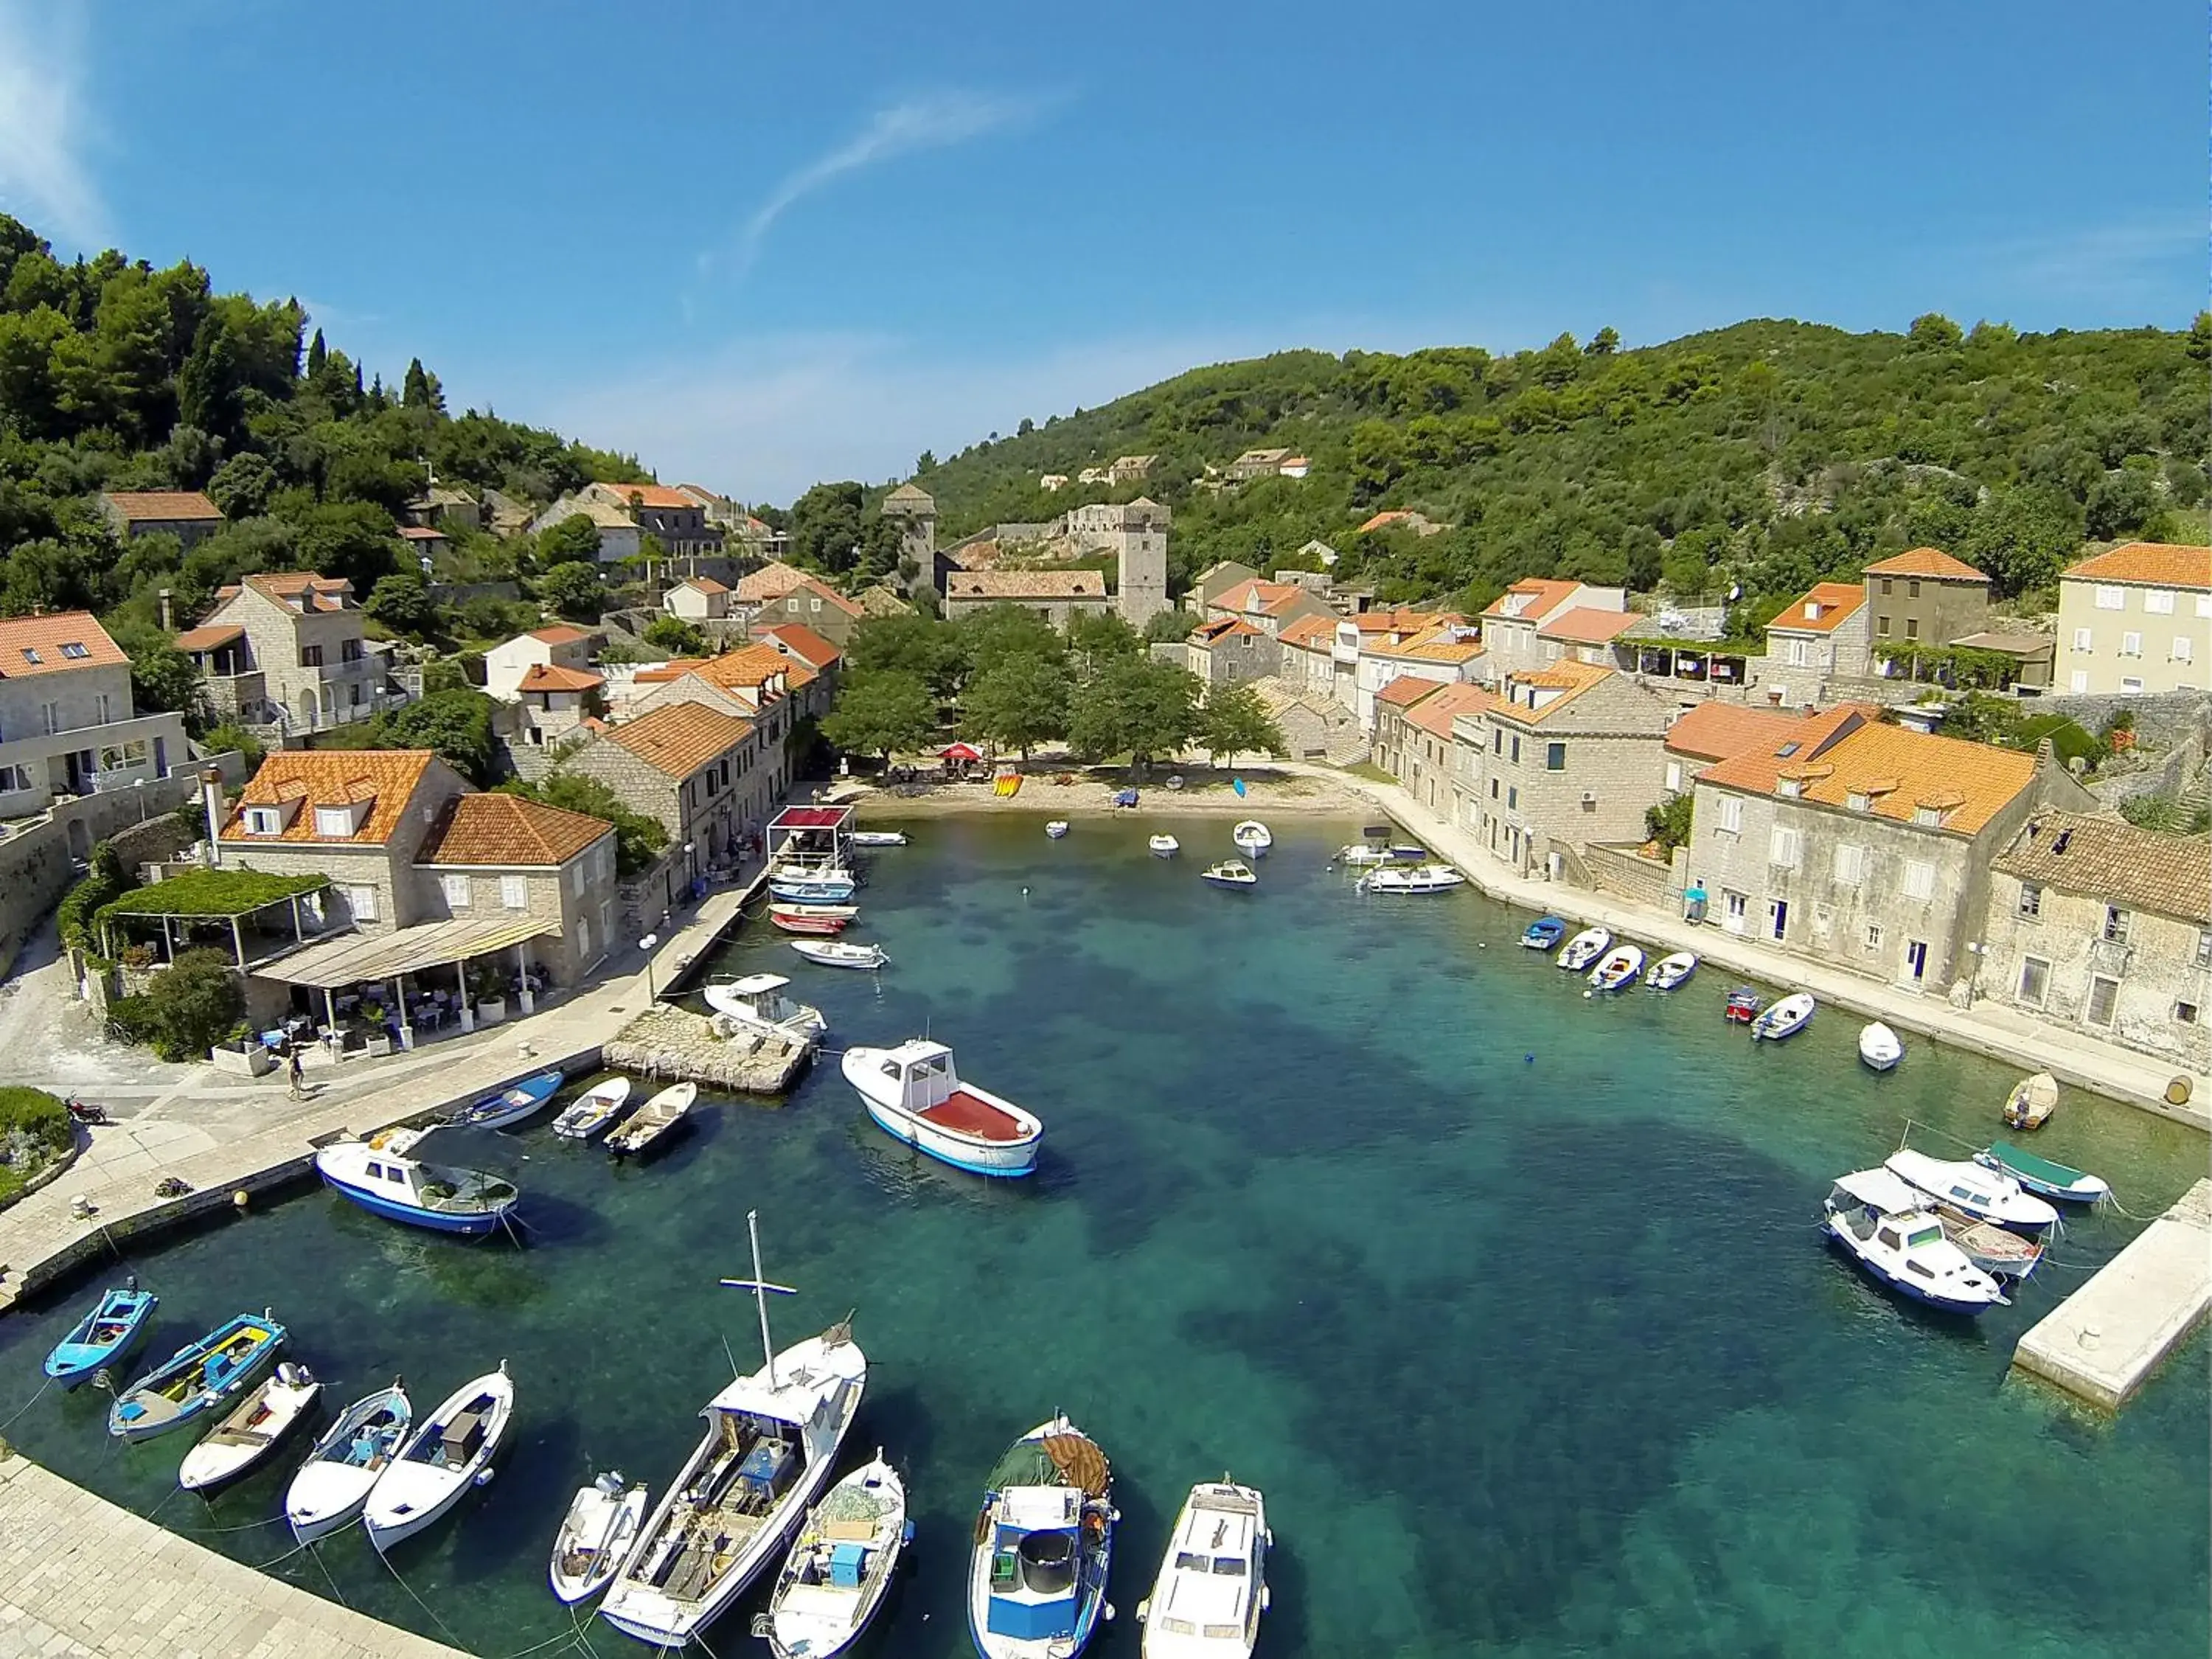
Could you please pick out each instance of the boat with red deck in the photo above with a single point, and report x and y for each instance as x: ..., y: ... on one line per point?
x: 916, y: 1094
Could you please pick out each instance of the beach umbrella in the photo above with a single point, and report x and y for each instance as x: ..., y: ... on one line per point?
x: 961, y: 751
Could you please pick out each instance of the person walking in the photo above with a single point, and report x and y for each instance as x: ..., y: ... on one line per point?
x: 291, y: 1071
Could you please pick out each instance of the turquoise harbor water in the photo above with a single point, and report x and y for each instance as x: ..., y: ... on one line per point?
x: 1512, y: 1302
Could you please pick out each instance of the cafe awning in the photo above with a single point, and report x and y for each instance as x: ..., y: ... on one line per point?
x: 360, y: 957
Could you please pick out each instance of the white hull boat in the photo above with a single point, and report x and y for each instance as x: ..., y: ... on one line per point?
x: 1419, y: 878
x: 447, y: 1457
x: 1229, y: 872
x: 1213, y: 1584
x: 1984, y: 1194
x: 876, y: 838
x: 1365, y: 854
x: 757, y: 1004
x: 1669, y: 972
x: 1895, y: 1236
x: 2032, y: 1102
x: 1056, y: 828
x: 1879, y: 1046
x: 1163, y: 847
x: 1617, y: 969
x: 1580, y: 954
x: 654, y: 1120
x: 251, y: 1432
x: 1253, y: 838
x: 595, y: 1538
x: 1044, y: 1546
x: 335, y: 1481
x: 835, y: 953
x: 835, y: 1578
x: 592, y: 1110
x: 915, y: 1095
x: 1785, y: 1018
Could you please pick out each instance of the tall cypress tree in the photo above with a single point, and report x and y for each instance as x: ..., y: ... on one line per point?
x: 318, y: 355
x: 414, y: 390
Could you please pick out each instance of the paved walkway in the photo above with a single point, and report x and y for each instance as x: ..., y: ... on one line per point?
x: 2002, y: 1034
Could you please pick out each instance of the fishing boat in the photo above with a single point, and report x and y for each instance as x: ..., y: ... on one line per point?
x: 771, y: 1440
x: 253, y: 1430
x: 110, y: 1331
x: 915, y: 1095
x: 1416, y: 878
x: 1671, y: 972
x: 830, y: 953
x: 1984, y: 1194
x: 1229, y: 872
x: 813, y: 921
x: 1791, y: 1015
x: 828, y: 885
x: 1892, y: 1234
x: 592, y: 1110
x: 1581, y: 952
x: 875, y: 838
x: 756, y: 1003
x: 1617, y: 969
x: 1743, y: 1006
x: 652, y: 1122
x: 192, y: 1382
x: 1997, y: 1251
x: 2041, y: 1176
x: 1163, y: 847
x: 335, y: 1481
x: 1370, y: 853
x: 839, y: 1568
x: 1879, y: 1047
x: 597, y: 1532
x: 1543, y: 934
x: 378, y: 1175
x: 446, y: 1455
x: 1056, y: 828
x: 509, y: 1105
x: 2032, y: 1102
x: 1044, y: 1540
x: 1212, y: 1583
x: 1253, y: 838
x: 813, y: 911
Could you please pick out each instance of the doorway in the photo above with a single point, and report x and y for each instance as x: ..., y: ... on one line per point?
x: 1778, y: 912
x: 1916, y: 960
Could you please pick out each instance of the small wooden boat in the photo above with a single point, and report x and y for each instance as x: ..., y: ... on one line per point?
x: 1617, y: 969
x: 1229, y: 872
x: 830, y: 953
x: 1543, y: 934
x: 840, y: 1566
x: 1879, y: 1047
x: 335, y: 1481
x: 1212, y: 1583
x: 2032, y: 1102
x: 1984, y: 1194
x: 653, y: 1121
x: 378, y: 1175
x: 1253, y: 838
x: 756, y: 1003
x: 813, y: 912
x: 1670, y: 972
x: 1055, y: 828
x: 2040, y: 1176
x: 251, y: 1432
x: 816, y: 927
x: 509, y: 1105
x: 592, y: 1110
x: 105, y: 1335
x: 1044, y: 1542
x: 598, y: 1532
x: 1415, y: 878
x: 449, y: 1454
x: 876, y: 838
x: 1791, y: 1015
x: 192, y: 1382
x: 826, y: 886
x: 1997, y: 1251
x: 915, y: 1093
x: 1581, y: 952
x: 1163, y: 847
x: 1743, y: 1006
x: 1889, y: 1230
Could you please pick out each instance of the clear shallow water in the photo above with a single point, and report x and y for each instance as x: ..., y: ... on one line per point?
x: 1511, y: 1300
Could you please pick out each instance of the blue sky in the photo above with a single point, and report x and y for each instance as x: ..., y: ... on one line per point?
x: 766, y: 243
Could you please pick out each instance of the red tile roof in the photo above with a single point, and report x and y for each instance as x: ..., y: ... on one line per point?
x: 1715, y: 731
x: 1754, y: 769
x: 208, y: 639
x: 551, y: 677
x: 797, y: 639
x: 1896, y: 770
x: 679, y: 737
x: 1927, y: 561
x: 703, y: 585
x: 559, y: 634
x: 1569, y: 679
x: 1831, y: 605
x: 1531, y: 600
x: 294, y: 589
x: 161, y: 505
x: 415, y: 532
x: 823, y: 591
x: 1406, y: 690
x: 643, y: 494
x: 332, y: 777
x: 2155, y: 564
x: 1585, y: 624
x: 46, y: 645
x: 771, y: 581
x: 1435, y: 715
x: 507, y: 831
x: 1381, y: 519
x: 1310, y: 632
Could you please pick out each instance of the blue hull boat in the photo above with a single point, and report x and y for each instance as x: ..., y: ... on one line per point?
x: 1545, y: 935
x: 378, y: 1174
x: 197, y: 1380
x: 509, y: 1105
x: 111, y: 1330
x: 812, y: 892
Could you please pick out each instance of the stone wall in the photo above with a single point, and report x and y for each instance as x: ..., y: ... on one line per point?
x: 1623, y: 870
x: 2163, y: 719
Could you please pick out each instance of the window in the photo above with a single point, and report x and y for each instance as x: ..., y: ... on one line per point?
x: 2159, y: 602
x: 263, y: 821
x: 1733, y: 906
x: 2130, y: 682
x: 311, y: 656
x: 513, y: 893
x: 1782, y: 847
x: 2077, y: 682
x: 361, y: 901
x: 1496, y: 740
x: 1796, y: 656
x: 1874, y: 936
x: 2034, y: 981
x: 13, y: 778
x: 1493, y: 788
x: 2204, y: 949
x: 1673, y: 777
x: 334, y: 821
x: 1913, y: 589
x: 1913, y: 628
x: 1882, y: 626
x: 576, y: 880
x: 1516, y: 749
x: 2112, y: 598
x: 1887, y: 586
x: 2104, y: 995
x: 350, y: 651
x: 457, y: 890
x: 31, y: 655
x: 2116, y: 925
x: 1731, y: 815
x: 2131, y: 644
x: 2185, y: 1013
x: 1555, y: 757
x: 2031, y: 900
x: 2182, y: 649
x: 1919, y: 878
x: 2204, y: 605
x: 50, y: 716
x: 76, y: 648
x: 1850, y: 865
x: 2082, y: 640
x: 1513, y: 799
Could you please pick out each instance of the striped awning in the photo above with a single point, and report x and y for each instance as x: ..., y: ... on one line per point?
x: 360, y: 957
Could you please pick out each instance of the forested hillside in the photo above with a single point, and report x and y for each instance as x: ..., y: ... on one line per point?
x: 1765, y: 456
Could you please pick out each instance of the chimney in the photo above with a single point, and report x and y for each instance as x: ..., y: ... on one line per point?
x: 212, y: 800
x: 168, y: 621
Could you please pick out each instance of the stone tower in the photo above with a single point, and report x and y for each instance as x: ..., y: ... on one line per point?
x: 1141, y: 542
x: 916, y: 509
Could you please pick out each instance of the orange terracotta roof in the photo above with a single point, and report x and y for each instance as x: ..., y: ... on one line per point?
x: 1715, y: 731
x: 751, y: 666
x: 1585, y: 624
x: 415, y: 532
x: 797, y: 639
x: 1569, y: 680
x: 1310, y: 631
x: 642, y: 494
x: 1899, y: 772
x: 1531, y: 600
x: 1220, y: 629
x: 1831, y: 604
x: 559, y: 634
x: 1257, y: 594
x: 1754, y: 769
x: 1435, y: 715
x: 46, y: 645
x: 332, y: 777
x: 2156, y: 564
x: 679, y: 737
x: 294, y: 589
x: 507, y: 831
x: 1434, y: 645
x: 1406, y: 690
x: 1381, y: 519
x: 551, y: 677
x: 162, y: 506
x: 662, y: 673
x: 1927, y: 561
x: 703, y: 585
x: 208, y: 639
x: 771, y: 581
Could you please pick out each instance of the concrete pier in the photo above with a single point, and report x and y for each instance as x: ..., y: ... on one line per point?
x: 668, y: 1042
x: 2106, y: 1339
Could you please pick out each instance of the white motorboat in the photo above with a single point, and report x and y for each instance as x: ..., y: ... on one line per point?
x: 771, y: 1440
x: 1212, y: 1585
x: 251, y: 1432
x: 1617, y: 969
x: 1580, y: 954
x: 1362, y: 854
x: 1784, y: 1018
x: 592, y: 1110
x: 1893, y: 1235
x: 1416, y: 878
x: 654, y: 1119
x: 1879, y: 1046
x: 329, y: 1489
x: 1671, y: 971
x: 1253, y: 838
x: 837, y: 953
x: 448, y: 1455
x: 1055, y: 828
x: 1229, y: 872
x: 1165, y: 847
x: 756, y: 1003
x: 838, y: 1571
x: 1984, y: 1194
x: 876, y: 838
x: 915, y: 1095
x: 596, y: 1536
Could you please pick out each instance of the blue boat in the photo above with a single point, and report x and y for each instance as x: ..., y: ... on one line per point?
x: 812, y: 890
x: 378, y: 1175
x: 509, y: 1105
x: 197, y: 1380
x: 111, y: 1330
x: 1544, y: 935
x: 1036, y: 1582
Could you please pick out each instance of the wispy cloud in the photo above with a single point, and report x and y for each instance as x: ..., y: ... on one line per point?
x: 43, y: 177
x: 2133, y: 259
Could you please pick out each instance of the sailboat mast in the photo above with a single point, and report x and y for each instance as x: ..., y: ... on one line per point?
x: 759, y: 1295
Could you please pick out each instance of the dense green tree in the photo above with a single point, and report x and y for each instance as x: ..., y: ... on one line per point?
x: 825, y: 526
x: 638, y: 839
x: 2022, y: 537
x: 1135, y: 705
x: 678, y: 637
x: 162, y: 677
x: 1234, y: 721
x: 881, y: 714
x: 402, y: 601
x: 572, y: 538
x: 354, y: 539
x: 1096, y: 638
x: 924, y: 646
x: 575, y: 590
x: 456, y: 725
x: 1018, y: 702
x: 988, y: 637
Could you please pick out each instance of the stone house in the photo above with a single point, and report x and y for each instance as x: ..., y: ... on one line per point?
x: 506, y: 515
x: 620, y: 538
x: 877, y: 600
x: 671, y: 516
x: 1863, y: 845
x: 1230, y: 651
x: 1255, y: 463
x: 698, y: 769
x: 443, y: 507
x: 811, y: 604
x: 1269, y: 606
x: 426, y: 543
x: 1450, y: 651
x: 1217, y: 579
x: 1821, y: 636
x: 1399, y: 519
x: 813, y: 679
x: 559, y: 645
x: 1424, y: 757
x: 187, y: 514
x: 554, y: 703
x: 915, y: 509
x: 2137, y: 618
x: 1056, y: 595
x: 1510, y: 623
x: 1925, y: 597
x: 725, y: 514
x: 67, y: 724
x: 697, y: 599
x: 288, y: 650
x: 1129, y: 469
x: 1136, y: 534
x: 1052, y: 482
x: 2093, y: 924
x: 1306, y: 656
x: 1586, y: 634
x: 1369, y: 645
